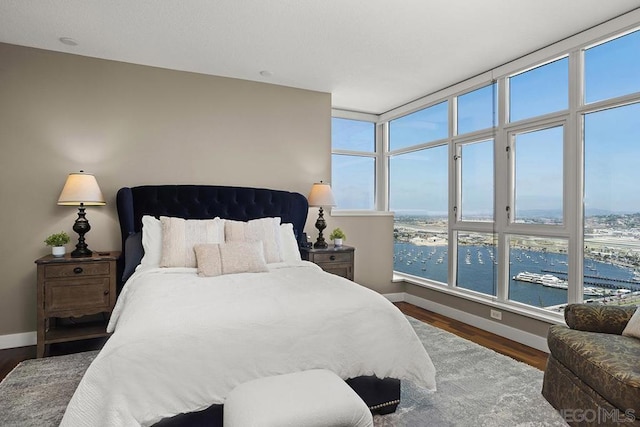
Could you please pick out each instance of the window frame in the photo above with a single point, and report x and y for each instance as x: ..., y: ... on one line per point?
x: 572, y: 120
x: 375, y: 154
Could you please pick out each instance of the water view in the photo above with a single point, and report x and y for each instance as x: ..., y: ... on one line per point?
x: 538, y: 267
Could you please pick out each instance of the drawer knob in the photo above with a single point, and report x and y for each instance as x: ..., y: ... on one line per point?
x: 332, y: 257
x: 106, y: 292
x: 77, y: 270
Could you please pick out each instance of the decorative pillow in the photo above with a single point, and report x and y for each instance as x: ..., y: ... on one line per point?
x: 290, y: 251
x: 209, y: 260
x: 633, y: 327
x: 151, y: 241
x: 229, y: 258
x: 180, y: 235
x: 266, y: 230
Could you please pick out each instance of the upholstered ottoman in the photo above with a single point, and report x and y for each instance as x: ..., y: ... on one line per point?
x: 314, y: 398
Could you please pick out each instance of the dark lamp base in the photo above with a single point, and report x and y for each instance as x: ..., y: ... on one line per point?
x: 320, y: 245
x: 82, y: 227
x: 81, y: 253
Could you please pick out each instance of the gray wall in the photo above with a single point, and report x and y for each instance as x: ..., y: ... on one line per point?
x: 133, y: 125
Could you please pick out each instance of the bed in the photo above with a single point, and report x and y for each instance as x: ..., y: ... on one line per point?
x: 182, y: 341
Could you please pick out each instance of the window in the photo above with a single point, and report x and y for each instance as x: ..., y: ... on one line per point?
x: 611, y: 69
x: 509, y: 223
x: 353, y: 163
x: 538, y: 176
x: 352, y: 135
x: 539, y: 91
x: 476, y: 175
x: 477, y: 110
x: 418, y: 195
x: 538, y: 269
x: 430, y: 124
x: 477, y: 262
x: 611, y: 203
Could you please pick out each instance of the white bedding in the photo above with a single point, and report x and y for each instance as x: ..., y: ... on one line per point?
x: 183, y: 342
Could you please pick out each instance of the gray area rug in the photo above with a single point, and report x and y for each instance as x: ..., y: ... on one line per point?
x: 476, y: 387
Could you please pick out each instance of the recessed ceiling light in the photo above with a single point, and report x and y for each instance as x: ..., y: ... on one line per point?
x: 266, y: 73
x: 68, y: 41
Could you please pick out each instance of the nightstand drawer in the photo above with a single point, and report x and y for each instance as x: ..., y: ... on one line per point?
x: 342, y: 270
x: 335, y: 260
x: 79, y: 269
x: 333, y: 257
x: 77, y: 297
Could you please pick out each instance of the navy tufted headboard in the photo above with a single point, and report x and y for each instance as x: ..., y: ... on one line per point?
x: 207, y: 201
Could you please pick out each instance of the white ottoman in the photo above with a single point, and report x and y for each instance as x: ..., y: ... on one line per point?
x: 314, y: 398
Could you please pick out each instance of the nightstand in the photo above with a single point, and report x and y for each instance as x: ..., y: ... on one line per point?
x: 336, y: 260
x: 71, y: 288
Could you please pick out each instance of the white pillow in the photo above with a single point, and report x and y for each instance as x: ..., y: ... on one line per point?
x: 229, y: 258
x: 266, y: 230
x: 633, y: 327
x: 290, y: 252
x: 180, y: 235
x: 151, y: 241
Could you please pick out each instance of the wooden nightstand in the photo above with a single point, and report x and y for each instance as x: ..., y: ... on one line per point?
x: 335, y: 260
x: 74, y: 287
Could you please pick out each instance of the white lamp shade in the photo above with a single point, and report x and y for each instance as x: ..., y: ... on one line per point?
x: 321, y: 195
x: 81, y: 188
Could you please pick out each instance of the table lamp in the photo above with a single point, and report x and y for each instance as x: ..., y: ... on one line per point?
x: 81, y: 189
x: 320, y: 196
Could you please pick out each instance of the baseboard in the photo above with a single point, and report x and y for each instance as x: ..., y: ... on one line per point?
x: 395, y: 297
x: 18, y: 340
x: 517, y: 335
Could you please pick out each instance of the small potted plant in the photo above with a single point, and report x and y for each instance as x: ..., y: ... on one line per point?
x: 337, y: 236
x: 57, y: 242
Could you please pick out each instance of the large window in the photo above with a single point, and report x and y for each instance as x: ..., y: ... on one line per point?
x: 476, y: 178
x: 538, y: 271
x: 612, y: 202
x: 612, y: 69
x: 538, y: 166
x: 353, y: 163
x: 477, y: 262
x: 419, y: 199
x: 523, y: 190
x: 477, y: 109
x: 539, y: 91
x: 423, y: 126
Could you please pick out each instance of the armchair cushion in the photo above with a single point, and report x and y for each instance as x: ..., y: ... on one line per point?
x: 607, y: 363
x: 606, y: 319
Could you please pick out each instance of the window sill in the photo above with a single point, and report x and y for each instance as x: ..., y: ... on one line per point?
x: 490, y: 301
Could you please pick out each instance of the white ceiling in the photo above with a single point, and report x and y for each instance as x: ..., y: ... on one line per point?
x: 372, y: 55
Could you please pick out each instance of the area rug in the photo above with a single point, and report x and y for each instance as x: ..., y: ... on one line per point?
x: 476, y: 387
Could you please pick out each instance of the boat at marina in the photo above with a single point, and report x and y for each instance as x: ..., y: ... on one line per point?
x: 551, y: 281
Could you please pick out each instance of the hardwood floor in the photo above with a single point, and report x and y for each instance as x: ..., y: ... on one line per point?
x: 9, y: 358
x: 515, y: 350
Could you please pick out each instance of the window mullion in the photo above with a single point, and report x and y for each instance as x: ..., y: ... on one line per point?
x: 502, y: 184
x: 574, y: 164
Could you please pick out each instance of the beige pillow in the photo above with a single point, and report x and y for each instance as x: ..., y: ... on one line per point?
x: 266, y: 230
x: 180, y: 235
x: 229, y: 258
x: 633, y: 327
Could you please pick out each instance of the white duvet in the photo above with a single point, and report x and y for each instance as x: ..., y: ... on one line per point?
x: 181, y: 342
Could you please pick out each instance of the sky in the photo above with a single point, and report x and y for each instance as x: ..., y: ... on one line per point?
x: 418, y: 180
